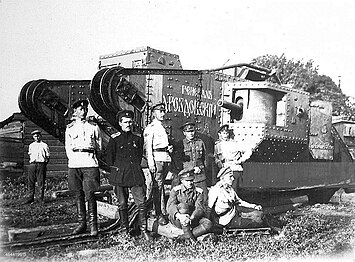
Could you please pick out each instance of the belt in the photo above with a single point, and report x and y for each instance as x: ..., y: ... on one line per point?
x: 164, y: 149
x: 87, y: 150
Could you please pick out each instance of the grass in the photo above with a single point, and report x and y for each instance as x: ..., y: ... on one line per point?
x: 320, y: 232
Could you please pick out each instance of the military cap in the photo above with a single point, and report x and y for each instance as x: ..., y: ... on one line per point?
x: 125, y: 113
x: 36, y: 132
x: 224, y: 171
x: 187, y: 174
x: 159, y: 106
x: 223, y: 128
x: 189, y: 126
x: 78, y: 103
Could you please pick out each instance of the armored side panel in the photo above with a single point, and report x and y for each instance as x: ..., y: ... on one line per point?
x: 346, y: 131
x: 272, y: 121
x: 143, y: 57
x: 320, y: 137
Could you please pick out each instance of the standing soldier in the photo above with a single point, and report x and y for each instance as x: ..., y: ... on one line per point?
x: 39, y: 157
x: 191, y: 154
x: 124, y: 155
x: 82, y: 144
x: 228, y: 153
x: 157, y: 148
x: 186, y: 207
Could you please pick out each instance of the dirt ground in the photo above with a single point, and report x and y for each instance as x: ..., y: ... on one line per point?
x: 321, y: 232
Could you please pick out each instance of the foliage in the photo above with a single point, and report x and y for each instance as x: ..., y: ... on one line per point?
x: 304, y: 76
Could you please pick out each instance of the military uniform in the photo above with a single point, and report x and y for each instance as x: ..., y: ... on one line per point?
x: 190, y: 154
x: 224, y: 206
x: 124, y: 156
x: 183, y: 200
x: 156, y: 144
x: 82, y: 143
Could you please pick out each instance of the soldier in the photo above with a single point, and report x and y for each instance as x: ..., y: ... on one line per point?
x: 39, y: 157
x: 224, y: 204
x: 186, y: 208
x: 82, y: 144
x: 228, y: 153
x: 191, y: 154
x: 124, y: 155
x: 157, y: 149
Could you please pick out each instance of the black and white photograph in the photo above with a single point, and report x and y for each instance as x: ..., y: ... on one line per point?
x: 177, y: 130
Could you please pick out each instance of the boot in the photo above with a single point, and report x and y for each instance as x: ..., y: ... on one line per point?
x: 80, y: 206
x: 200, y: 230
x: 143, y: 224
x: 92, y: 212
x: 124, y: 221
x: 30, y: 199
x: 187, y: 234
x: 42, y: 195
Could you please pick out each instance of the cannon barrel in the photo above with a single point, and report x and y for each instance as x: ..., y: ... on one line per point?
x: 229, y: 105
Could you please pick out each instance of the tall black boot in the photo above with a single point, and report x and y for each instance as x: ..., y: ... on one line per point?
x: 124, y: 220
x: 92, y: 212
x: 143, y: 224
x: 80, y: 206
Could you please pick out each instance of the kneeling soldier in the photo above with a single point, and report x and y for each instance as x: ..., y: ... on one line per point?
x: 186, y: 209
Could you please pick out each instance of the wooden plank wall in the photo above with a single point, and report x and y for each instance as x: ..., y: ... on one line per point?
x: 58, y: 164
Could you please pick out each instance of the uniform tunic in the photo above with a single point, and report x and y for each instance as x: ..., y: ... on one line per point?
x: 192, y: 154
x: 156, y: 142
x: 124, y: 155
x: 224, y: 201
x: 227, y: 153
x: 82, y: 141
x: 192, y: 197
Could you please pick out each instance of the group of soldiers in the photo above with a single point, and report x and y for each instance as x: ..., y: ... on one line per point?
x: 191, y: 206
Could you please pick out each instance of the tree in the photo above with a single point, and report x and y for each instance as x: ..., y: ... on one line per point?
x: 304, y: 76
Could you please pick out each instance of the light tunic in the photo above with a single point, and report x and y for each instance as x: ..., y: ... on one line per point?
x: 80, y: 136
x: 155, y: 142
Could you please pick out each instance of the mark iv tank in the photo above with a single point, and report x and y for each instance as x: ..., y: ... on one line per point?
x: 294, y: 146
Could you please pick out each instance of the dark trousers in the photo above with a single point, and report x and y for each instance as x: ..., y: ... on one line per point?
x: 36, y: 172
x: 248, y: 218
x: 84, y: 181
x: 158, y: 192
x: 138, y: 193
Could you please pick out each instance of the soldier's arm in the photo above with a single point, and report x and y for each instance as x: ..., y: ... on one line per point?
x: 148, y: 146
x: 172, y: 204
x: 111, y: 152
x: 199, y: 206
x: 98, y: 139
x: 204, y: 162
x: 68, y: 148
x: 47, y: 153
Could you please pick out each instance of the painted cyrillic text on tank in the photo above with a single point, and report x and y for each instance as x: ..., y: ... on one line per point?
x: 190, y: 104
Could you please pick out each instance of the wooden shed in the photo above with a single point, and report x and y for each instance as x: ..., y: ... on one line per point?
x: 15, y: 138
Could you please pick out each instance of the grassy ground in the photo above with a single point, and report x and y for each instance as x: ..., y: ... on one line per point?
x: 320, y: 232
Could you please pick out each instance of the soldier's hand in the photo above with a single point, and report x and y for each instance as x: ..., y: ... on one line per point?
x: 152, y: 169
x: 258, y: 207
x: 197, y: 170
x: 170, y: 148
x: 183, y: 218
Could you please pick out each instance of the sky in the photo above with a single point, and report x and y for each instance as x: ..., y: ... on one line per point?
x: 63, y: 39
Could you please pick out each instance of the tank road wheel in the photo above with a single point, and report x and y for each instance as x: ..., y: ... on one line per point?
x: 320, y: 195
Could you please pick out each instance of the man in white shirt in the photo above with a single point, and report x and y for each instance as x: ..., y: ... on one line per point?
x: 39, y: 157
x: 82, y: 143
x: 157, y: 149
x: 223, y: 204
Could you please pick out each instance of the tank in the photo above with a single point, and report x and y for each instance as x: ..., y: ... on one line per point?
x: 296, y: 149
